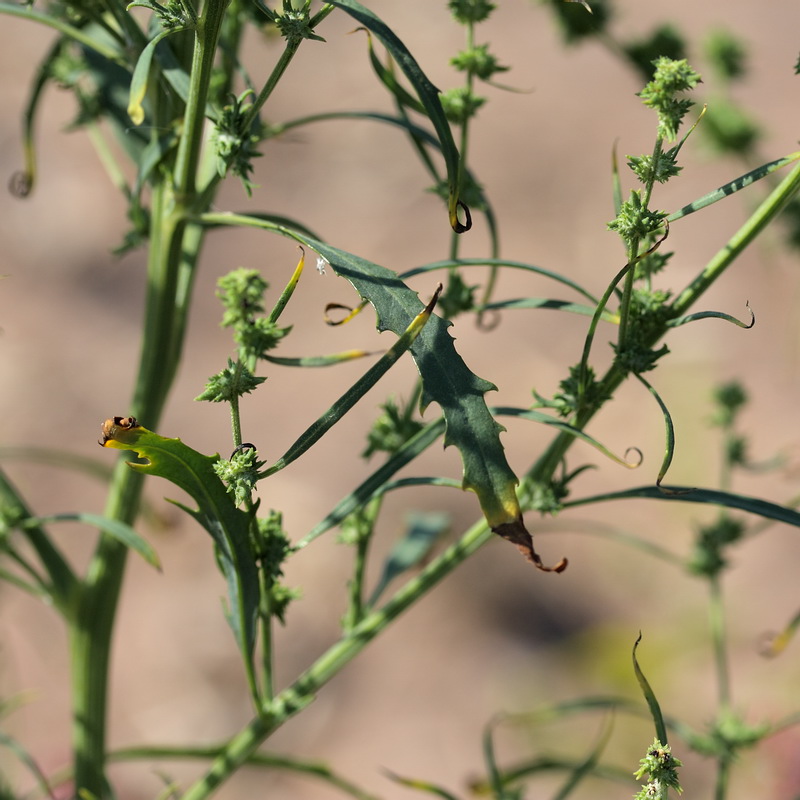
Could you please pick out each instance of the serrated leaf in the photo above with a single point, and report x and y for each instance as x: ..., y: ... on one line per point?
x: 216, y: 512
x: 446, y: 380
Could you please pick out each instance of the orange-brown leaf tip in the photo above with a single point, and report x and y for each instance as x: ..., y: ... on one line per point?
x: 114, y: 429
x: 516, y: 533
x: 432, y: 304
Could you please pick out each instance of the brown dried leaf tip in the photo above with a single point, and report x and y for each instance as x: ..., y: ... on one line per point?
x: 516, y: 533
x: 112, y: 427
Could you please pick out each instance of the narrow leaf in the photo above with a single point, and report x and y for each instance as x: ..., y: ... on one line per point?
x: 733, y: 186
x: 548, y: 303
x: 368, y: 489
x: 715, y: 315
x: 318, y: 361
x: 346, y: 402
x: 422, y: 533
x: 141, y: 74
x: 119, y: 530
x: 669, y: 450
x: 564, y: 427
x: 428, y: 95
x: 649, y: 695
x: 500, y: 263
x: 422, y: 786
x: 688, y: 494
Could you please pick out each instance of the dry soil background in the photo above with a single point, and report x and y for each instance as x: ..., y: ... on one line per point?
x: 497, y: 635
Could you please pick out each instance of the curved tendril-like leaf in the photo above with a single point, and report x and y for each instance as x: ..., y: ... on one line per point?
x: 446, y: 380
x: 118, y: 530
x: 318, y: 361
x: 26, y: 181
x: 689, y: 494
x: 649, y: 695
x: 715, y: 315
x: 428, y: 95
x: 734, y: 186
x: 669, y: 451
x: 549, y: 303
x: 564, y: 427
x: 216, y: 512
x: 601, y: 306
x: 502, y: 263
x: 99, y: 44
x: 374, y: 483
x: 141, y: 74
x: 419, y: 137
x: 352, y: 313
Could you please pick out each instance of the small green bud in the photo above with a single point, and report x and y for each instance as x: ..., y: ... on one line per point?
x: 670, y: 78
x: 460, y: 104
x: 470, y: 11
x: 661, y: 169
x: 477, y: 61
x: 634, y: 221
x: 241, y: 292
x: 229, y: 384
x: 240, y: 473
x: 661, y: 767
x: 390, y: 431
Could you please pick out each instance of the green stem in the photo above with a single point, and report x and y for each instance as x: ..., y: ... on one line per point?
x: 633, y: 252
x: 719, y: 643
x: 174, y: 249
x: 297, y: 696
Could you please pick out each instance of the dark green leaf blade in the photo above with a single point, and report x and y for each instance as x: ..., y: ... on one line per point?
x: 687, y: 494
x: 229, y: 526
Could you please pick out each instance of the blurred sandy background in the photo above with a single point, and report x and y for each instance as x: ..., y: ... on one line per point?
x: 496, y: 636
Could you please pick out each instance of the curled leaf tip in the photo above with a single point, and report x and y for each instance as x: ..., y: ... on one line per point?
x: 752, y: 315
x: 350, y: 312
x: 117, y: 429
x: 633, y: 464
x: 516, y: 533
x: 457, y: 225
x: 21, y: 184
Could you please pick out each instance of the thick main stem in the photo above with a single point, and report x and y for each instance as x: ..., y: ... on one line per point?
x: 173, y: 253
